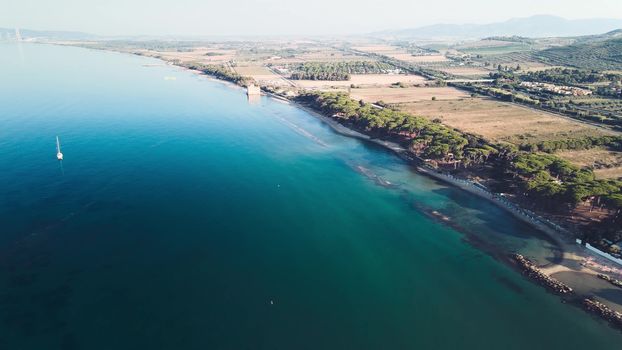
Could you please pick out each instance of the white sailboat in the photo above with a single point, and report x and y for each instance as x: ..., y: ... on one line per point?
x: 59, y: 155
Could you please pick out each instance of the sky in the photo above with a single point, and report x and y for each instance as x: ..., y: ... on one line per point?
x: 278, y: 17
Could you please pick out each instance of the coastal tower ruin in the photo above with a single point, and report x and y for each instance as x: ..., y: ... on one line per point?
x: 253, y: 90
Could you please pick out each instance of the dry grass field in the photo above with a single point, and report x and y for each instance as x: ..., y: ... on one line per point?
x: 400, y: 54
x: 302, y: 53
x: 607, y: 164
x: 253, y: 70
x: 406, y: 57
x: 403, y: 95
x: 466, y: 71
x: 331, y: 56
x: 362, y: 80
x: 197, y: 55
x: 379, y: 49
x: 536, y: 67
x: 262, y: 75
x: 609, y: 173
x: 499, y: 121
x: 483, y: 43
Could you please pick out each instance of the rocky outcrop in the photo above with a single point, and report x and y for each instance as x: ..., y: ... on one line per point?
x: 602, y: 310
x: 531, y: 270
x: 613, y: 281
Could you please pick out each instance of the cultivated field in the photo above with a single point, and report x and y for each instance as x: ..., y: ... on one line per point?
x: 330, y: 56
x: 537, y: 67
x: 418, y: 59
x: 513, y: 59
x: 499, y: 121
x: 363, y: 80
x: 379, y: 49
x: 466, y: 71
x: 202, y: 54
x: 607, y: 164
x: 497, y: 49
x: 483, y: 43
x: 401, y: 54
x: 262, y: 75
x: 403, y: 95
x: 253, y: 71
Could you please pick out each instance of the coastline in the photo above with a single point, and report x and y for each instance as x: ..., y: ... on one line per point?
x: 574, y: 260
x: 573, y: 257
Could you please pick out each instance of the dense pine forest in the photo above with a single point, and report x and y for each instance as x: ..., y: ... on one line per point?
x: 550, y: 182
x: 336, y: 70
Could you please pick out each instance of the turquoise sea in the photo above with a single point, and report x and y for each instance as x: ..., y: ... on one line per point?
x: 186, y: 217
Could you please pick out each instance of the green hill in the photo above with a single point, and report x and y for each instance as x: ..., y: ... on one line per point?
x: 603, y: 52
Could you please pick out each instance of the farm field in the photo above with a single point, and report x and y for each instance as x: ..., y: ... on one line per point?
x: 314, y: 56
x: 379, y: 49
x: 403, y: 95
x: 496, y: 49
x: 400, y: 54
x: 536, y: 67
x: 607, y: 164
x: 262, y: 75
x: 523, y: 59
x: 363, y: 80
x: 253, y: 70
x: 466, y: 71
x: 499, y: 121
x: 484, y: 43
x: 202, y: 55
x: 406, y: 57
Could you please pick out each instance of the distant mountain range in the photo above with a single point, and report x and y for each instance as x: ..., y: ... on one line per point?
x: 534, y: 27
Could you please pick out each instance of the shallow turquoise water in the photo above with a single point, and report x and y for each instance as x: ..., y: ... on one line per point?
x: 184, y: 216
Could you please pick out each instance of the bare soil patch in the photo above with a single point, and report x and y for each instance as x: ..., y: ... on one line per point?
x: 363, y: 80
x: 500, y: 121
x: 403, y: 95
x: 607, y: 164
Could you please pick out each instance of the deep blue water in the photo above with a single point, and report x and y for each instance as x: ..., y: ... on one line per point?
x: 186, y: 217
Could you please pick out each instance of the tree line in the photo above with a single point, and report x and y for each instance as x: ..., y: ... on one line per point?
x: 611, y: 142
x: 336, y: 70
x: 568, y: 76
x: 220, y: 72
x: 553, y: 183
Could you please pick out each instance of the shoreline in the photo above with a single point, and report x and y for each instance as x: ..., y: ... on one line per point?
x: 571, y: 252
x: 574, y: 258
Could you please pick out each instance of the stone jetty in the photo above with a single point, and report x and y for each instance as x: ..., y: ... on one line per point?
x: 613, y: 281
x: 614, y: 317
x: 531, y: 270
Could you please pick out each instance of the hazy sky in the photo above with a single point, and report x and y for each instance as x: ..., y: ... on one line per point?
x: 259, y: 17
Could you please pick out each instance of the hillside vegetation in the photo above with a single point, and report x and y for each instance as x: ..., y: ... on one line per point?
x: 601, y: 55
x: 549, y: 181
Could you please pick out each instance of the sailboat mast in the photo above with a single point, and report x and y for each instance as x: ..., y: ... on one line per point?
x: 59, y: 155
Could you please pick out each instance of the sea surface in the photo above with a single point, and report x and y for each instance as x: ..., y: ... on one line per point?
x: 185, y: 216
